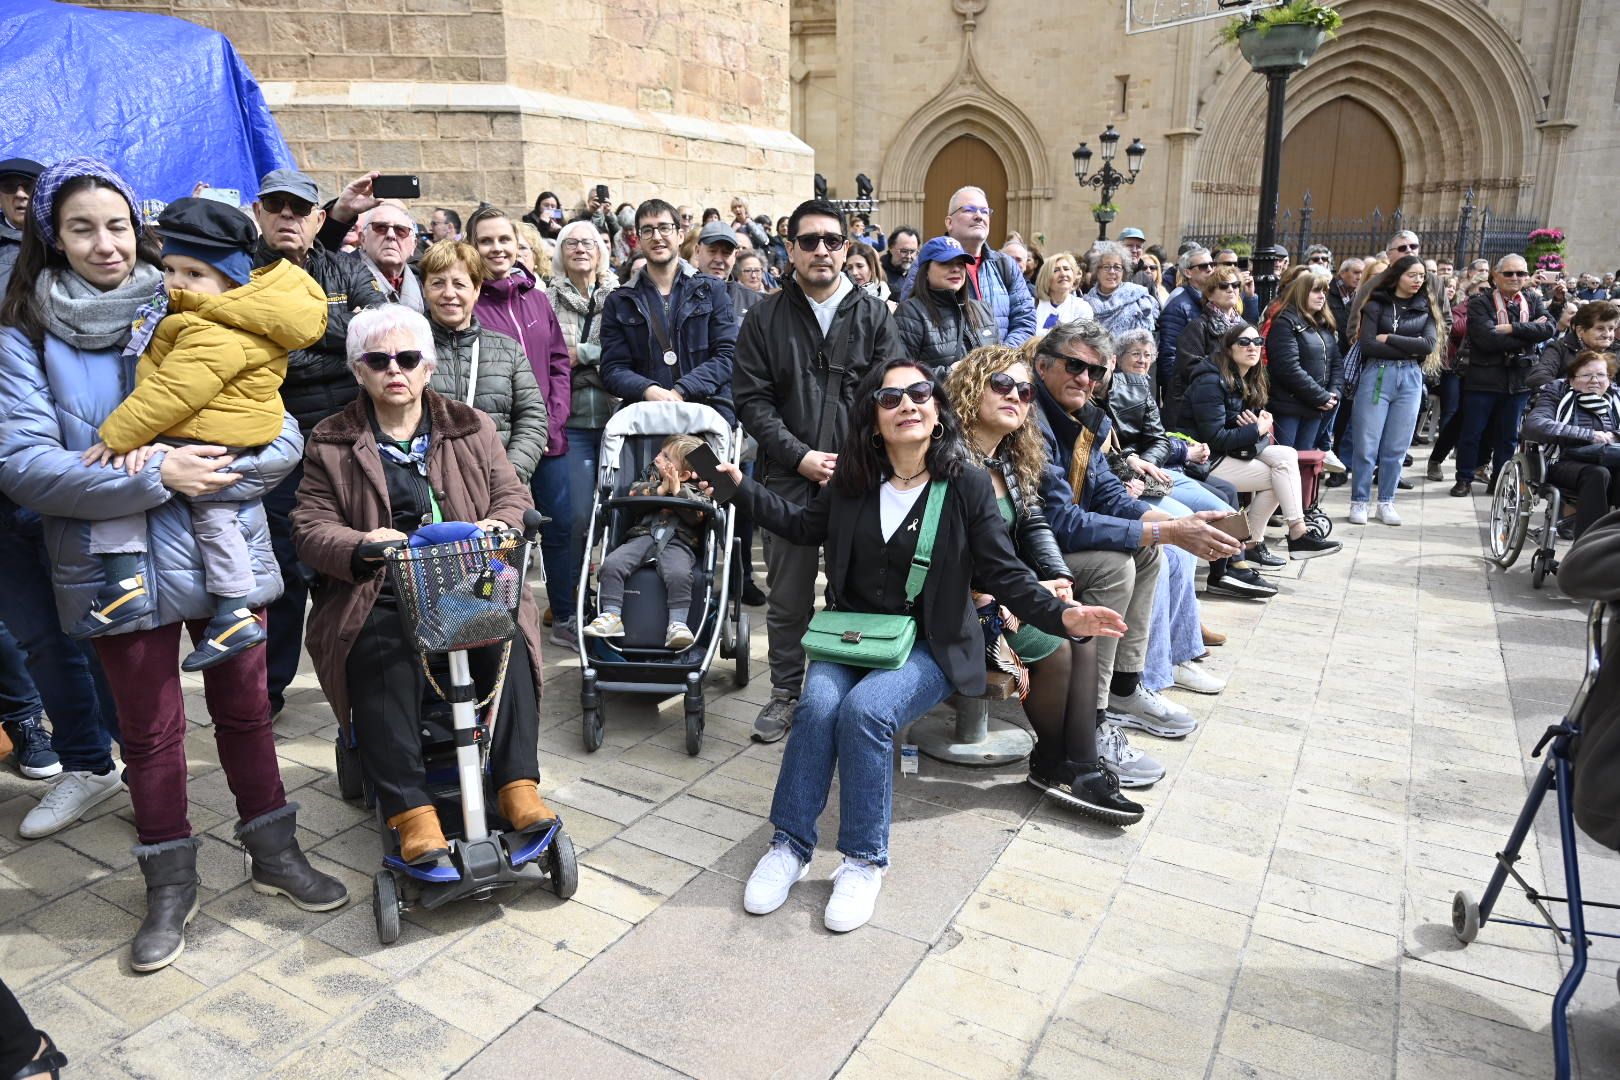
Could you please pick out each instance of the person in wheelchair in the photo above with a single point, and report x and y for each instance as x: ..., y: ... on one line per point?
x: 400, y: 457
x: 665, y: 536
x: 1577, y: 421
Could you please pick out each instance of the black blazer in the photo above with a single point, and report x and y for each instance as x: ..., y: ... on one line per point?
x: 973, y: 545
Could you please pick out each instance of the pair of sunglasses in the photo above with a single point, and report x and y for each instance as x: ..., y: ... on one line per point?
x: 1005, y: 385
x: 276, y: 203
x: 1251, y: 342
x: 890, y: 396
x: 1075, y: 366
x: 407, y: 359
x: 809, y: 242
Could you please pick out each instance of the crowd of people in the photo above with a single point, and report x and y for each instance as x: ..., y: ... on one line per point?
x: 209, y: 415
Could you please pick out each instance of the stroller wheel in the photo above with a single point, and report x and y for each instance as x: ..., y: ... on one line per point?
x: 592, y: 728
x: 385, y: 906
x: 562, y: 866
x: 740, y: 650
x: 1464, y: 917
x: 351, y: 785
x: 694, y: 730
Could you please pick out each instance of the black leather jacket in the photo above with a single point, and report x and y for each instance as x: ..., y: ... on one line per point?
x: 1032, y: 536
x: 1136, y: 418
x: 319, y: 382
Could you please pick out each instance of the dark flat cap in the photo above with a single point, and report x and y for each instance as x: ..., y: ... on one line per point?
x: 21, y: 166
x: 205, y: 223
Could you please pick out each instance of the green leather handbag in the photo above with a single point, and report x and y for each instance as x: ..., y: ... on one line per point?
x: 883, y: 642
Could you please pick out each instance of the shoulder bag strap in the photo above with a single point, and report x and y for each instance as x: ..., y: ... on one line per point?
x: 472, y: 374
x: 923, y: 556
x: 832, y: 398
x: 590, y: 317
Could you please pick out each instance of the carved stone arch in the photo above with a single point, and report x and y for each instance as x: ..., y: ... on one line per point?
x: 968, y: 105
x: 1452, y: 85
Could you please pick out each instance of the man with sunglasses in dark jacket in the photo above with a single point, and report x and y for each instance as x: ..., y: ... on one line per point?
x: 799, y: 357
x: 319, y: 384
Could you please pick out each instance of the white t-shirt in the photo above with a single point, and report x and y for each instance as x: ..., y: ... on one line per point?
x: 1048, y: 315
x: 894, y: 505
x: 824, y: 310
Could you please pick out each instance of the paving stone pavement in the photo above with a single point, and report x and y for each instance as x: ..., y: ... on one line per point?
x: 1282, y: 911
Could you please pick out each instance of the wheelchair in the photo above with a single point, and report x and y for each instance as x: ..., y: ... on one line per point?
x: 1527, y: 507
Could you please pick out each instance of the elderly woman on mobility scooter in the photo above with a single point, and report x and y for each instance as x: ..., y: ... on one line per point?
x: 400, y: 457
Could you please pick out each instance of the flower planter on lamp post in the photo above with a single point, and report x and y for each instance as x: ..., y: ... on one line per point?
x: 1108, y: 178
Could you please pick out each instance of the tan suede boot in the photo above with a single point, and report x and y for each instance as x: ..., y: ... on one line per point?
x: 521, y: 804
x: 421, y: 840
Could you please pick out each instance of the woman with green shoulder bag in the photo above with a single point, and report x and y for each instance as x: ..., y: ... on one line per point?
x: 909, y: 524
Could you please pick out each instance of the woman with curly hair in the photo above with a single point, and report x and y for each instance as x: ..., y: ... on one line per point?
x: 992, y: 390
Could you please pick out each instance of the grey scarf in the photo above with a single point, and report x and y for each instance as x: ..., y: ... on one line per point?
x: 85, y: 316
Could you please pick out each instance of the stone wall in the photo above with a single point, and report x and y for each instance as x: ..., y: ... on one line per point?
x: 496, y: 100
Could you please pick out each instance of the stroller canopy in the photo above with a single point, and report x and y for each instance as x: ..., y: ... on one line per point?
x: 664, y: 418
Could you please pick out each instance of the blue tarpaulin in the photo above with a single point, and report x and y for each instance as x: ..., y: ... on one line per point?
x: 165, y: 102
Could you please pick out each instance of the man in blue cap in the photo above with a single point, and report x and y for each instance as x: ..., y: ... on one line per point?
x: 17, y: 176
x: 319, y: 383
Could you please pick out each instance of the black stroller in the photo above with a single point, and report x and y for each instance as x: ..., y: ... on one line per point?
x: 639, y: 663
x: 456, y: 597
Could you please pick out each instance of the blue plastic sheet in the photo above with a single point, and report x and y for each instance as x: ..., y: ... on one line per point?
x: 164, y: 101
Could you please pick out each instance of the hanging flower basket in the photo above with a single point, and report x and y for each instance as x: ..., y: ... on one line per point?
x: 1281, y: 48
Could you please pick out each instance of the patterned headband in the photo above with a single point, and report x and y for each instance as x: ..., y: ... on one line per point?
x: 43, y: 204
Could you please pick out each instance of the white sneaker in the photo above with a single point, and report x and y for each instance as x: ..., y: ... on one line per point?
x: 1153, y: 713
x: 71, y: 794
x: 1387, y: 514
x: 855, y: 891
x: 774, y: 876
x: 1358, y: 513
x: 677, y: 635
x: 1131, y: 767
x: 1194, y: 677
x: 607, y: 624
x: 1332, y: 464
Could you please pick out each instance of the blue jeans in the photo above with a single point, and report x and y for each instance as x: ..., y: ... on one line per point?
x: 1300, y: 432
x: 75, y: 693
x: 19, y: 698
x: 1488, y: 415
x: 1187, y: 497
x: 1381, y: 425
x: 551, y: 497
x: 1177, y: 633
x: 847, y: 718
x: 583, y: 457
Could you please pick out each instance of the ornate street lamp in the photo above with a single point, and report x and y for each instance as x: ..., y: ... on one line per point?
x: 1108, y: 178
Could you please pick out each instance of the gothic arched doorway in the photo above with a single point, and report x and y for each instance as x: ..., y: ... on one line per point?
x: 962, y: 162
x: 1346, y: 156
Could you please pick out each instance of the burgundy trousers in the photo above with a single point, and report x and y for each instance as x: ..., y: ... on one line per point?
x: 143, y: 670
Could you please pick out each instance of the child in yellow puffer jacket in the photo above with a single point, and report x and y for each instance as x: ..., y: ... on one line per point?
x: 212, y: 362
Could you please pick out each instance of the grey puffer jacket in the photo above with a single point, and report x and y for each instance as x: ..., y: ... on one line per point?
x: 10, y: 247
x: 942, y: 332
x: 53, y: 399
x: 506, y: 389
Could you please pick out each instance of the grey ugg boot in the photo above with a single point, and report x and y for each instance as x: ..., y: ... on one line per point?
x: 279, y: 865
x: 170, y: 869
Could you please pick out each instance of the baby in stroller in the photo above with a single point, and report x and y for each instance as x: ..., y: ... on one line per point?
x: 665, y: 536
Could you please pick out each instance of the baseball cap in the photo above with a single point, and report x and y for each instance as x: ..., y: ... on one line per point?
x: 21, y: 166
x: 942, y: 249
x: 290, y: 182
x: 1133, y: 234
x: 716, y: 233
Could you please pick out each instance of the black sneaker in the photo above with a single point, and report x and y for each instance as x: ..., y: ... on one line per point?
x: 753, y: 595
x: 1260, y: 557
x: 1421, y: 440
x: 1243, y: 583
x: 1309, y: 547
x: 1434, y: 472
x: 1460, y: 489
x: 1406, y: 462
x: 1337, y: 480
x: 1090, y: 789
x: 226, y: 636
x: 1404, y: 484
x: 775, y: 718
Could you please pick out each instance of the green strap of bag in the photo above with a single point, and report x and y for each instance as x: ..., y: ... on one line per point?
x: 883, y: 642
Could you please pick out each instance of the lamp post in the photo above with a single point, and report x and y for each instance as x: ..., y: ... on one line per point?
x: 1108, y: 178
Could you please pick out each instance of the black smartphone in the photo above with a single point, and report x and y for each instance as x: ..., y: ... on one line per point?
x: 396, y: 186
x: 1243, y: 262
x: 602, y: 192
x: 702, y: 460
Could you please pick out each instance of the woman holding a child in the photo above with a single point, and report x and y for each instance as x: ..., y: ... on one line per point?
x: 66, y: 363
